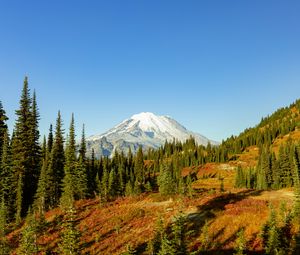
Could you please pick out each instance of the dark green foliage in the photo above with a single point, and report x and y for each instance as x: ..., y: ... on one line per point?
x: 240, y: 179
x: 70, y: 237
x: 56, y: 164
x: 139, y: 166
x: 69, y: 181
x: 4, y: 246
x: 285, y: 167
x: 7, y: 187
x: 80, y: 173
x: 166, y: 181
x: 50, y: 140
x: 3, y: 127
x: 25, y: 148
x: 19, y: 199
x: 42, y: 193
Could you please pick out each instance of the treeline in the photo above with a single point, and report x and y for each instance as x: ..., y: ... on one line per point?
x: 272, y: 171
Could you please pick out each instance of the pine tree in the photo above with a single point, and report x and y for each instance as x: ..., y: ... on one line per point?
x: 28, y: 244
x: 179, y: 235
x: 7, y: 189
x: 50, y: 140
x: 70, y: 237
x: 44, y: 148
x: 25, y: 147
x: 3, y: 127
x: 239, y: 178
x: 166, y: 247
x: 285, y: 168
x: 166, y: 182
x: 104, y: 185
x: 42, y: 193
x: 112, y: 186
x: 31, y: 180
x: 139, y: 166
x: 80, y: 174
x: 4, y: 246
x: 189, y: 187
x: 56, y: 164
x: 69, y: 181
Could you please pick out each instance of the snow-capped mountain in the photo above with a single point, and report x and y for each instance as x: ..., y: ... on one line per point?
x: 145, y: 129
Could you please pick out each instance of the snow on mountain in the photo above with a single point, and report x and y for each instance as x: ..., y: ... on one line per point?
x: 144, y: 129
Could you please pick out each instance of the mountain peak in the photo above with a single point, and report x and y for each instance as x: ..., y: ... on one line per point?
x: 143, y: 129
x: 143, y: 115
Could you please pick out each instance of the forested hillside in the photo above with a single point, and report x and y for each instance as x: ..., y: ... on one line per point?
x: 55, y: 200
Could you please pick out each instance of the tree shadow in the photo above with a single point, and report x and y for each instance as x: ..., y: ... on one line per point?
x: 208, y: 212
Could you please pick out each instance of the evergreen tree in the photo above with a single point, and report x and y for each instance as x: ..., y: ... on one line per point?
x: 50, y: 140
x: 7, y: 189
x: 3, y: 127
x: 285, y: 168
x: 56, y: 164
x: 80, y: 174
x: 4, y: 246
x: 25, y: 148
x: 179, y: 235
x: 70, y: 237
x: 112, y: 185
x: 42, y: 193
x: 166, y: 247
x: 31, y: 180
x: 44, y: 148
x: 166, y: 182
x: 69, y: 181
x: 239, y: 178
x: 189, y: 187
x: 104, y: 185
x: 28, y: 244
x: 139, y: 166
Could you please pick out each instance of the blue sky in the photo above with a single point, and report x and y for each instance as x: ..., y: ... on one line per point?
x: 215, y: 66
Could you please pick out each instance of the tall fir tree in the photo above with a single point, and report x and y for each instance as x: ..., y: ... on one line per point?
x: 7, y: 189
x: 139, y: 166
x: 69, y: 181
x: 56, y: 163
x: 285, y: 167
x: 50, y: 140
x: 166, y: 182
x: 80, y: 174
x: 70, y: 236
x: 3, y: 126
x: 25, y: 148
x: 42, y: 193
x: 4, y: 245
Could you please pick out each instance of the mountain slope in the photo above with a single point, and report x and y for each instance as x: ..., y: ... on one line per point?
x: 145, y: 129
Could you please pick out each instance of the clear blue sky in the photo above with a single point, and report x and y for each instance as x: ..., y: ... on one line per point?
x: 215, y: 66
